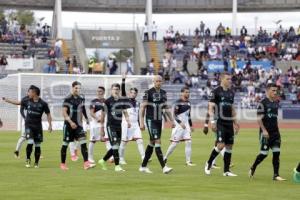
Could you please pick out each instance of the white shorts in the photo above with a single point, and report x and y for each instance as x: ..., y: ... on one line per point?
x: 130, y: 134
x: 180, y: 134
x: 95, y: 134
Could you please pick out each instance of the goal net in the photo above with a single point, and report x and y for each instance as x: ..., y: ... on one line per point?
x: 54, y: 88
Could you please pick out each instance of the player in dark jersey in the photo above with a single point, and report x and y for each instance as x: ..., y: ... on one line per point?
x: 296, y: 175
x: 22, y: 138
x: 115, y: 108
x: 35, y: 108
x: 73, y: 112
x: 96, y: 109
x: 267, y: 113
x: 184, y: 126
x: 154, y: 104
x: 226, y: 125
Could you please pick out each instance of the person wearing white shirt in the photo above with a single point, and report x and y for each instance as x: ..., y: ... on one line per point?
x: 154, y: 31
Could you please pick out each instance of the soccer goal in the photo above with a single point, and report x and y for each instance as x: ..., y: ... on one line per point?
x: 54, y: 88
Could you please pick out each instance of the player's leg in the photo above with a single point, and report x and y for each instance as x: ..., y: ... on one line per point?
x: 20, y: 142
x: 107, y: 145
x: 264, y: 149
x: 229, y: 141
x: 137, y: 136
x: 275, y: 144
x: 94, y: 137
x: 175, y: 138
x: 37, y: 154
x: 188, y: 147
x: 296, y: 175
x: 68, y: 136
x: 73, y: 151
x: 150, y: 146
x: 124, y: 140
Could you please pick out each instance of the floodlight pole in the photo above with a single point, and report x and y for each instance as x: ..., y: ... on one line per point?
x: 149, y: 10
x: 234, y: 17
x: 57, y: 19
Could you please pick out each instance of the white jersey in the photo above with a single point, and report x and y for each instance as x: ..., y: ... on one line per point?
x: 133, y: 112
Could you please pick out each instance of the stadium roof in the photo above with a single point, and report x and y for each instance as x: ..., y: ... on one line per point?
x: 159, y: 6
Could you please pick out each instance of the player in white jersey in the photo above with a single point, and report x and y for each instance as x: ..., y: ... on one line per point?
x: 183, y: 126
x: 134, y: 132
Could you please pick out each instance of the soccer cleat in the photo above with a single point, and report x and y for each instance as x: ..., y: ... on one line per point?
x: 229, y: 174
x: 102, y: 163
x: 296, y: 176
x: 207, y: 169
x: 278, y: 178
x: 74, y: 158
x: 214, y: 166
x: 27, y: 163
x: 36, y: 165
x: 17, y: 156
x: 118, y: 168
x: 190, y: 164
x: 87, y: 165
x: 92, y: 161
x: 63, y: 167
x: 251, y: 173
x: 145, y: 170
x: 122, y: 161
x: 167, y: 169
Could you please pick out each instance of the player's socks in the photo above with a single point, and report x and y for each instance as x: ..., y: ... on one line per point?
x: 91, y: 151
x: 257, y: 161
x: 122, y: 149
x: 140, y: 146
x: 116, y: 156
x: 298, y: 168
x: 188, y: 151
x: 29, y: 151
x: 63, y: 153
x: 159, y: 155
x: 84, y: 152
x: 108, y: 154
x: 148, y: 154
x: 170, y: 149
x: 17, y: 155
x: 37, y: 154
x: 227, y: 160
x: 215, y: 152
x: 276, y: 162
x: 21, y: 140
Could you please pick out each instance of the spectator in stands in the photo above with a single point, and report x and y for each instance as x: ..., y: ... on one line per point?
x: 14, y: 25
x: 68, y: 65
x: 154, y: 30
x: 74, y: 63
x: 166, y: 65
x: 58, y: 45
x: 46, y: 30
x: 207, y: 32
x: 197, y: 32
x: 3, y: 23
x: 146, y: 32
x: 185, y: 62
x: 244, y: 31
x: 220, y: 32
x: 178, y: 77
x: 202, y: 28
x: 129, y: 63
x: 52, y: 66
x: 91, y: 65
x: 38, y: 30
x: 51, y: 53
x: 151, y: 67
x: 44, y: 41
x: 23, y: 28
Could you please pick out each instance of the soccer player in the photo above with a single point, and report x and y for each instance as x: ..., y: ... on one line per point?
x: 154, y: 104
x: 226, y: 125
x: 115, y: 108
x: 267, y: 113
x: 73, y: 111
x: 296, y: 176
x: 184, y: 126
x: 22, y: 138
x: 35, y: 108
x: 134, y: 132
x: 96, y: 109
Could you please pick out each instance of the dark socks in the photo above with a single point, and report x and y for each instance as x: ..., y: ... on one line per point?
x: 108, y: 154
x: 227, y: 160
x: 276, y: 163
x: 84, y: 152
x: 258, y: 160
x: 29, y: 150
x: 298, y: 168
x: 37, y: 154
x: 63, y: 153
x: 160, y: 156
x: 115, y: 153
x: 213, y: 155
x: 148, y: 153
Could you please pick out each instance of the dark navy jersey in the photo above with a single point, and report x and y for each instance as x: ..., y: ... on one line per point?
x: 269, y: 111
x: 114, y: 110
x: 75, y: 108
x: 35, y: 111
x: 156, y: 102
x: 22, y: 110
x: 182, y: 112
x: 97, y: 104
x: 224, y: 100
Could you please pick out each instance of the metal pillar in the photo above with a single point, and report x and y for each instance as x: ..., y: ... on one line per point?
x: 57, y: 20
x: 149, y: 10
x: 234, y: 17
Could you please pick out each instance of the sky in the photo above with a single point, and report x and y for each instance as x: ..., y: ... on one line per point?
x: 182, y: 22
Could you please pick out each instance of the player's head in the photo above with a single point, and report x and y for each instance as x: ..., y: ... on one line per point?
x: 100, y: 91
x: 33, y: 91
x: 272, y: 90
x: 157, y: 81
x: 226, y: 79
x: 185, y: 93
x: 115, y: 90
x: 76, y: 87
x: 133, y: 93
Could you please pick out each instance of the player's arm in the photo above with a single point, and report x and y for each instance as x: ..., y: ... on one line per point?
x: 235, y: 122
x: 49, y: 117
x: 11, y: 101
x: 176, y: 118
x: 168, y: 110
x: 205, y: 128
x: 190, y: 122
x: 84, y: 112
x: 123, y: 86
x: 142, y: 110
x: 66, y: 116
x: 22, y: 109
x: 102, y: 119
x: 260, y: 115
x: 211, y: 108
x: 125, y: 113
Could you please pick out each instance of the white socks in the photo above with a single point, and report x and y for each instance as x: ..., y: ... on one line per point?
x: 188, y: 150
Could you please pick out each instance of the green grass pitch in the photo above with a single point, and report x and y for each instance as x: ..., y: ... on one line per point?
x: 49, y: 182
